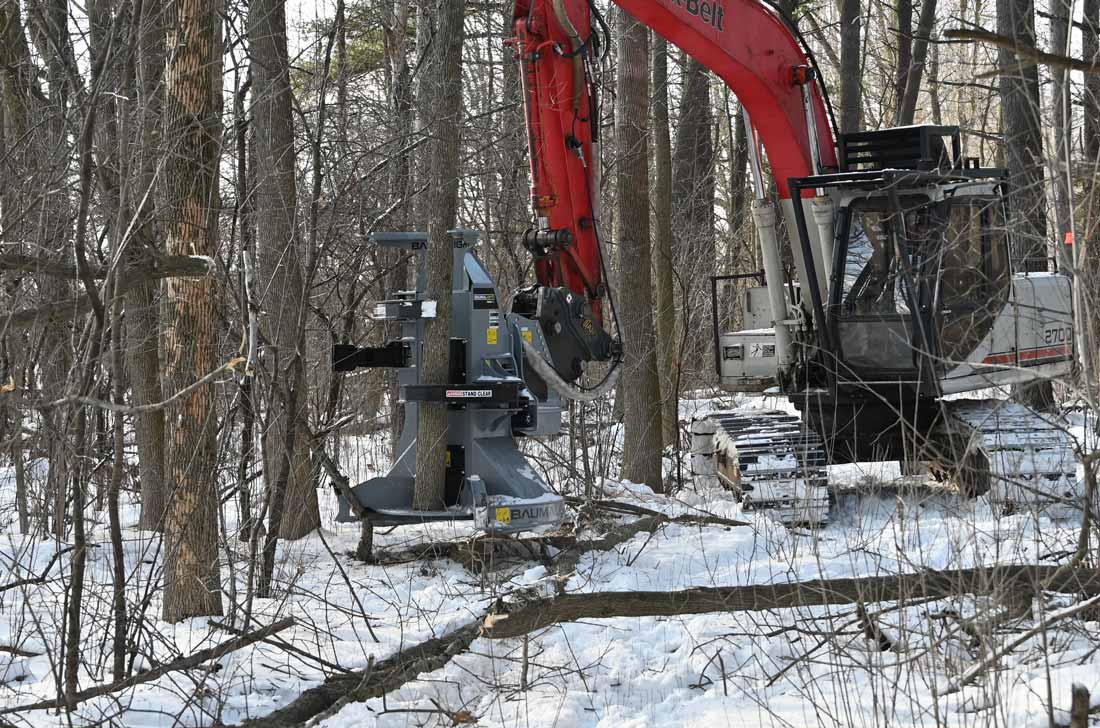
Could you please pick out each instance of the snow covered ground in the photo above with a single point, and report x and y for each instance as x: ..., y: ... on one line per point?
x: 792, y: 667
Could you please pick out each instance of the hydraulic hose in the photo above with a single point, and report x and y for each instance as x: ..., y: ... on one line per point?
x: 566, y: 389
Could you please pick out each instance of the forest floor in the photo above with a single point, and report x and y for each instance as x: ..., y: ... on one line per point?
x: 886, y: 664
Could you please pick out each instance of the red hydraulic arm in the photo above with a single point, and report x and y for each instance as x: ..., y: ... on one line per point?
x: 747, y: 44
x: 553, y: 43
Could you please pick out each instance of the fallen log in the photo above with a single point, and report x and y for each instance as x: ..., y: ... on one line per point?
x: 183, y: 663
x: 393, y: 672
x: 378, y: 679
x: 818, y: 592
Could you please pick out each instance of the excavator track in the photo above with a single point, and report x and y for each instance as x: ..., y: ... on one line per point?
x: 769, y: 458
x: 1021, y: 459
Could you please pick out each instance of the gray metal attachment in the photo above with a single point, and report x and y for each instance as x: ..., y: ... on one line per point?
x: 489, y: 405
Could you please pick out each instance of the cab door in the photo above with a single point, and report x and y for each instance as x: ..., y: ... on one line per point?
x: 975, y: 318
x: 876, y: 302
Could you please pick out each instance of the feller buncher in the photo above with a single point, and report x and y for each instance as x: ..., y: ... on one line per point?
x: 903, y: 293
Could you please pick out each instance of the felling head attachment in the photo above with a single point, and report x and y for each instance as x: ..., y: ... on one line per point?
x: 487, y: 479
x: 573, y: 336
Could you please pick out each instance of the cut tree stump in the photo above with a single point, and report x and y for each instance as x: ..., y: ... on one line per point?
x: 1079, y: 707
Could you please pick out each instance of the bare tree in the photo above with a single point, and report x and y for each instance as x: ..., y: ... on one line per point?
x: 663, y: 260
x: 279, y: 252
x: 446, y: 80
x: 192, y: 132
x: 642, y: 406
x: 1022, y: 145
x: 851, y: 61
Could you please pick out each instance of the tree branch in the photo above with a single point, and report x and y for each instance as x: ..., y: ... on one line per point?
x: 168, y: 267
x: 1026, y: 52
x: 974, y: 672
x: 140, y: 409
x: 378, y: 679
x: 184, y: 663
x: 41, y: 578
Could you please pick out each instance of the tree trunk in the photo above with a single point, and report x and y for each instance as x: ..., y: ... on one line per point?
x: 1000, y: 581
x: 1088, y: 262
x: 40, y: 144
x: 415, y: 209
x: 903, y: 16
x: 934, y: 85
x: 851, y: 63
x: 142, y: 319
x: 663, y: 260
x: 642, y: 408
x: 282, y: 298
x: 907, y: 107
x: 143, y: 363
x: 1022, y: 135
x: 18, y: 87
x: 246, y: 224
x: 402, y: 101
x: 446, y: 81
x: 693, y: 207
x: 192, y: 133
x: 739, y: 194
x: 1022, y: 140
x: 427, y: 44
x: 20, y: 471
x: 1059, y: 37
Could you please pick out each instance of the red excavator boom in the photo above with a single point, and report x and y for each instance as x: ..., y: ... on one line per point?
x: 554, y: 44
x: 744, y: 42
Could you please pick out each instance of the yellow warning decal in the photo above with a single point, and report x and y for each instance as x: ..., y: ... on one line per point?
x: 491, y: 335
x: 527, y: 335
x: 504, y: 515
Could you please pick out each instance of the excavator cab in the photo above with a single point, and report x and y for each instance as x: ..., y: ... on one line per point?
x: 919, y: 277
x: 922, y: 295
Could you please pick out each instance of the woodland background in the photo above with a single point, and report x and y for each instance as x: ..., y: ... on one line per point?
x: 187, y: 189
